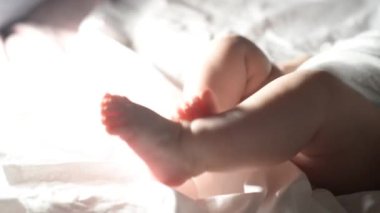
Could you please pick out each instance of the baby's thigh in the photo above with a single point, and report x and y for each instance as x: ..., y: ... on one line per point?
x: 343, y: 152
x: 349, y: 119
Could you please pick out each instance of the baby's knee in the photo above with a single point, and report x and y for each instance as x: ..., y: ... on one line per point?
x: 235, y: 43
x: 234, y: 40
x: 239, y: 47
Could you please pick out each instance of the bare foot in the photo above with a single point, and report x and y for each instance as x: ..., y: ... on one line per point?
x: 158, y: 141
x: 201, y: 106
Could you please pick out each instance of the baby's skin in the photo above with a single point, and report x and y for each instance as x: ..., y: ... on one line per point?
x: 242, y: 111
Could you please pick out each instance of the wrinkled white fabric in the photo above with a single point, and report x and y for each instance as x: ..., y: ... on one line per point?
x: 12, y: 10
x: 355, y: 61
x: 56, y: 157
x: 284, y: 30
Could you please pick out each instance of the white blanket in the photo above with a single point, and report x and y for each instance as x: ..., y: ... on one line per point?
x: 11, y: 11
x: 355, y: 61
x: 56, y: 157
x: 181, y: 29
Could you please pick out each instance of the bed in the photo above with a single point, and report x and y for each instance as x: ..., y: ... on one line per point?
x: 58, y: 61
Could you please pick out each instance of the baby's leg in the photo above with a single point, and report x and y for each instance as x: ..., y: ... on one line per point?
x: 262, y: 130
x: 324, y: 126
x: 310, y: 117
x: 269, y: 127
x: 234, y: 69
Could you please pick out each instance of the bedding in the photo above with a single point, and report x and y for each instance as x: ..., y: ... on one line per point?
x: 54, y: 153
x: 11, y: 11
x: 355, y: 61
x: 56, y: 157
x: 183, y: 28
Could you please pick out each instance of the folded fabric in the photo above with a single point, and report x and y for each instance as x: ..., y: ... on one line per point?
x: 355, y: 61
x: 12, y: 10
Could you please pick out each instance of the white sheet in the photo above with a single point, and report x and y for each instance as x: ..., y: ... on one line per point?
x: 355, y: 61
x: 12, y: 10
x: 284, y: 30
x: 56, y: 157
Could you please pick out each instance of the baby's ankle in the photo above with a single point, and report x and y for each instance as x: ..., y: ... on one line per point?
x: 190, y: 150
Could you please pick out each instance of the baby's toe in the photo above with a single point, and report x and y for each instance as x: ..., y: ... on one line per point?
x: 112, y: 123
x: 191, y: 110
x: 107, y: 98
x: 115, y: 110
x: 113, y: 99
x: 110, y: 110
x: 113, y: 130
x: 115, y: 106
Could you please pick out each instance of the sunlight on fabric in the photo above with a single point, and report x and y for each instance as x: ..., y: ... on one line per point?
x: 252, y: 189
x: 52, y: 130
x: 3, y: 180
x: 51, y: 110
x: 45, y: 126
x: 154, y: 197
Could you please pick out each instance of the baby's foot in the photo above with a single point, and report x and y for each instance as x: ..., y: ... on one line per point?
x: 200, y: 106
x: 158, y: 141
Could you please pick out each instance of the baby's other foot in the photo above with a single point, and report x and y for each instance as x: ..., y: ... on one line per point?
x: 200, y: 106
x: 158, y: 141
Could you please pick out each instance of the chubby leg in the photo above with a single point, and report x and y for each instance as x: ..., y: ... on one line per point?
x: 309, y: 117
x: 343, y: 155
x: 234, y: 69
x: 261, y: 131
x: 269, y: 127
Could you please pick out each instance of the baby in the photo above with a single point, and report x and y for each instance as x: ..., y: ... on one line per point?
x: 242, y: 111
